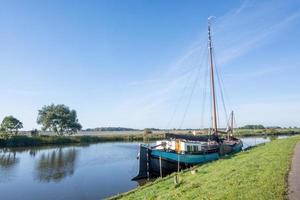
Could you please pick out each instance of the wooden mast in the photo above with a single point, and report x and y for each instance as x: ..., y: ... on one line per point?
x: 212, y: 87
x: 230, y: 125
x: 232, y: 118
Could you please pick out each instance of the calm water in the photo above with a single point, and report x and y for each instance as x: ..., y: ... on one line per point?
x: 91, y: 172
x: 75, y: 172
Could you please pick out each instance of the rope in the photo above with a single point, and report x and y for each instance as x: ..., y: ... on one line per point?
x: 192, y: 91
x: 182, y: 94
x: 177, y: 104
x: 220, y: 88
x: 204, y: 97
x: 189, y: 101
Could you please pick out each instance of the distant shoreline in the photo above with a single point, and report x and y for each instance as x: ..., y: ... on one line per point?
x: 90, y: 137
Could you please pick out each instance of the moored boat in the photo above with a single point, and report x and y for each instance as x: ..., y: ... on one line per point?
x: 180, y: 151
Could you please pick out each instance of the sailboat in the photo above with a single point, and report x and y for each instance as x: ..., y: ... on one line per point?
x: 180, y: 151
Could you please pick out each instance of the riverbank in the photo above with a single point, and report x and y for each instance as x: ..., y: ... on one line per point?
x: 43, y: 139
x: 266, y: 132
x: 238, y: 132
x: 257, y: 173
x: 28, y: 141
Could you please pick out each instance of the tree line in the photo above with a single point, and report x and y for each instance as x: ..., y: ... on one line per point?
x: 59, y: 119
x: 259, y: 126
x: 111, y: 129
x: 62, y: 120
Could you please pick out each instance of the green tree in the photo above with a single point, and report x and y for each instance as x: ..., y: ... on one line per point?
x: 59, y: 119
x: 259, y: 126
x: 11, y: 124
x: 147, y: 131
x: 34, y: 132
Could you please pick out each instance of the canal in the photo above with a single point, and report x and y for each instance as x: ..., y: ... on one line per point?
x: 74, y: 172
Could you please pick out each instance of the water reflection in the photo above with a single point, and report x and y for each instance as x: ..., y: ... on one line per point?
x: 33, y: 152
x: 8, y: 163
x: 8, y: 159
x: 48, y: 173
x: 253, y: 141
x: 55, y: 165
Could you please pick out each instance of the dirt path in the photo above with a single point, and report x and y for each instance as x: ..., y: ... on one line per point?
x: 294, y: 175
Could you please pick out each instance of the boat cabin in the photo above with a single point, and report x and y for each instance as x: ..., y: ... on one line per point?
x: 179, y: 145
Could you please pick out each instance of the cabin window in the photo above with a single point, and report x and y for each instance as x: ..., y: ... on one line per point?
x: 195, y: 148
x: 192, y: 148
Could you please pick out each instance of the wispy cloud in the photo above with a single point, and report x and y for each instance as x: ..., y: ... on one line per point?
x: 239, y: 31
x: 262, y: 71
x: 258, y: 37
x: 144, y: 82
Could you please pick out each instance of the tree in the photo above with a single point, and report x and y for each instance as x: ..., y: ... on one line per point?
x: 34, y: 132
x: 253, y: 127
x: 59, y: 119
x: 61, y: 162
x: 11, y: 124
x: 147, y: 131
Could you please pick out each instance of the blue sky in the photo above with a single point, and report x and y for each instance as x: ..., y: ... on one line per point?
x: 134, y: 63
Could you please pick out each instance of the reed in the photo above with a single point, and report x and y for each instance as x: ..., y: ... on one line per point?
x: 28, y: 141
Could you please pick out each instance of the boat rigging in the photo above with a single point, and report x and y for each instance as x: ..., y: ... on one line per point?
x: 179, y: 151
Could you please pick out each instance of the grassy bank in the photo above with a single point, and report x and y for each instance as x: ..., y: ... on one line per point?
x: 259, y: 173
x: 266, y: 132
x: 249, y: 132
x: 24, y: 141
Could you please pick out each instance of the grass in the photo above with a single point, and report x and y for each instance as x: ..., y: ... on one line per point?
x: 249, y: 132
x: 25, y: 141
x: 266, y: 132
x: 259, y: 173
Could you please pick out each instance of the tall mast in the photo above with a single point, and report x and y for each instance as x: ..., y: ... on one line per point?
x: 231, y: 122
x: 212, y: 86
x: 230, y: 125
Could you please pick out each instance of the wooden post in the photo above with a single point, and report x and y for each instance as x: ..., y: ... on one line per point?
x: 176, y: 179
x: 178, y: 163
x: 148, y: 167
x: 160, y: 167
